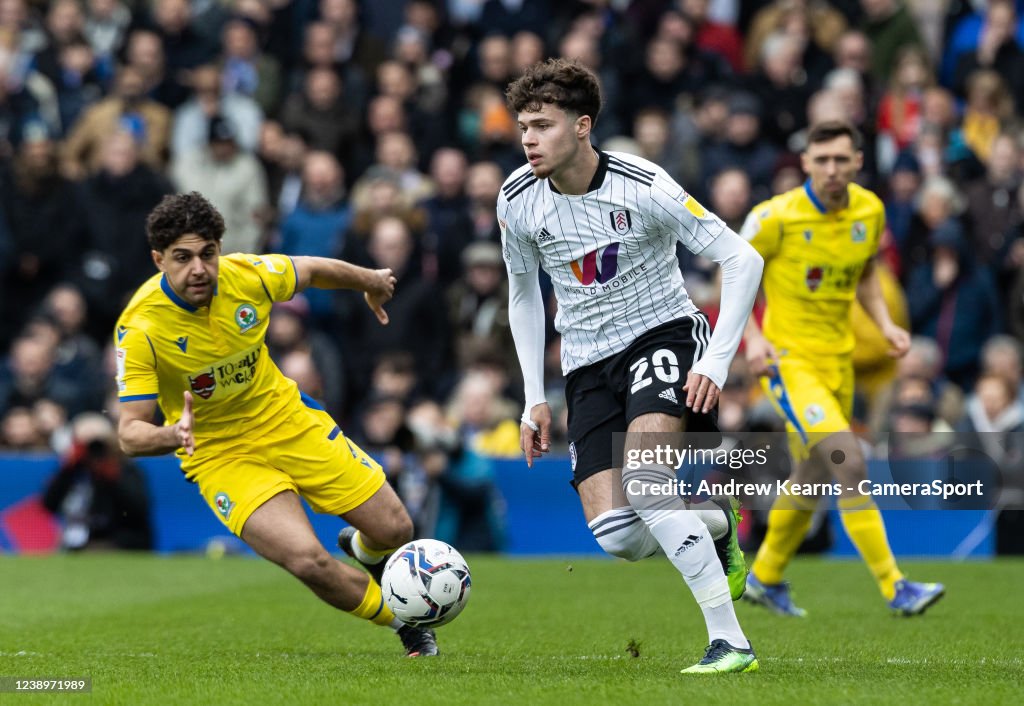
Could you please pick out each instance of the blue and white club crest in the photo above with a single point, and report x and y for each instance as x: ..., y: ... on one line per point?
x: 246, y: 317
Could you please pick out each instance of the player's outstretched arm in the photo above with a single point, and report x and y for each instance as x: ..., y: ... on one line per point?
x: 869, y: 294
x: 526, y: 319
x: 377, y: 286
x: 139, y: 436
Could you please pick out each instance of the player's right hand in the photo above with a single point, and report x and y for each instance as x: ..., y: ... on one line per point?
x: 535, y: 438
x: 183, y: 428
x: 761, y: 355
x: 379, y: 291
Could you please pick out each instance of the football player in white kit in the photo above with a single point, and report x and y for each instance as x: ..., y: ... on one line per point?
x: 638, y: 356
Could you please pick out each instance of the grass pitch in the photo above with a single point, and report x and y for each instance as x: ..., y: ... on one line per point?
x: 191, y: 630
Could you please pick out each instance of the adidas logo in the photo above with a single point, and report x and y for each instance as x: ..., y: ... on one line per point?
x: 670, y: 395
x: 544, y: 236
x: 690, y: 541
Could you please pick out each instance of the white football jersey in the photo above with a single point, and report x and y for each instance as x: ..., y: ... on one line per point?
x: 610, y: 253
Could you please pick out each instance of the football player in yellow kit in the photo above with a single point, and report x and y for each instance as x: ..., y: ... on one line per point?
x: 819, y: 242
x: 191, y: 340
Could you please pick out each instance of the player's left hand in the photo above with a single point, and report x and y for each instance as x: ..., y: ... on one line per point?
x: 701, y: 393
x: 379, y: 291
x: 899, y: 340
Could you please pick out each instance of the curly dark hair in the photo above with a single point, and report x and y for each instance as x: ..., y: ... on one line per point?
x: 564, y: 82
x: 180, y: 214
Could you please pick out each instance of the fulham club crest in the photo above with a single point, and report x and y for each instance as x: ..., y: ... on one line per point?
x: 622, y: 222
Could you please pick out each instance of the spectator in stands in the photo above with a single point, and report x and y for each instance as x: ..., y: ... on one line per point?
x: 382, y: 197
x: 744, y: 146
x: 997, y: 49
x: 483, y: 182
x: 955, y: 302
x: 126, y: 109
x: 282, y: 156
x: 418, y: 324
x: 448, y: 222
x: 712, y: 36
x: 26, y: 376
x: 319, y: 224
x: 106, y: 26
x: 994, y: 422
x: 19, y: 432
x: 478, y: 305
x: 45, y: 221
x: 384, y: 114
x: 394, y: 375
x: 1003, y: 357
x: 246, y: 69
x: 396, y: 157
x: 852, y: 50
x: 731, y: 197
x: 184, y: 47
x: 989, y: 107
x: 100, y: 495
x: 992, y: 208
x: 938, y: 201
x: 232, y: 180
x: 890, y: 28
x: 76, y: 355
x: 115, y: 200
x: 781, y: 81
x: 824, y: 22
x: 652, y: 128
x: 323, y: 114
x: 353, y: 44
x: 145, y: 53
x: 192, y: 119
x: 64, y: 25
x: 80, y: 84
x: 900, y: 198
x: 899, y: 113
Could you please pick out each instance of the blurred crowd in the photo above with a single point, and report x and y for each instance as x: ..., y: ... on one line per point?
x: 378, y: 132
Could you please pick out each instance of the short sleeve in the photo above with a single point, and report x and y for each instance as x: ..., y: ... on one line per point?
x: 763, y: 229
x: 136, y: 364
x: 679, y: 213
x: 518, y: 249
x: 278, y: 274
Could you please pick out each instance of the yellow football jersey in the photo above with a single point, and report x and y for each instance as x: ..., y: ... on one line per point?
x: 813, y: 261
x: 165, y: 346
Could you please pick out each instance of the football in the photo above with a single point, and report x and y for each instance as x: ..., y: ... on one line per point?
x: 426, y: 583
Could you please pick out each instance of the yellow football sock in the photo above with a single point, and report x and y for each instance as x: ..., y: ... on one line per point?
x: 364, y: 553
x: 788, y: 522
x: 863, y: 524
x: 373, y: 607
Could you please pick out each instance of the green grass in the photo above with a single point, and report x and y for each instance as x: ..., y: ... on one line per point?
x: 190, y: 630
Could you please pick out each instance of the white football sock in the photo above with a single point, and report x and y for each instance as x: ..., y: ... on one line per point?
x: 363, y: 554
x: 712, y: 516
x: 688, y: 545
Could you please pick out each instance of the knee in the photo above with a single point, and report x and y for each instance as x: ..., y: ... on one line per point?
x: 309, y: 565
x: 623, y: 534
x: 395, y: 532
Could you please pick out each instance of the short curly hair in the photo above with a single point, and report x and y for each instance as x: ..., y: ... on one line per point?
x: 181, y: 214
x: 566, y: 83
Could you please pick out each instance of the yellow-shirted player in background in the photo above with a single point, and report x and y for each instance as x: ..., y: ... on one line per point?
x: 819, y: 243
x: 192, y: 340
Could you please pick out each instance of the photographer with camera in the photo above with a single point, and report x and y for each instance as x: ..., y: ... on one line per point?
x: 100, y: 495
